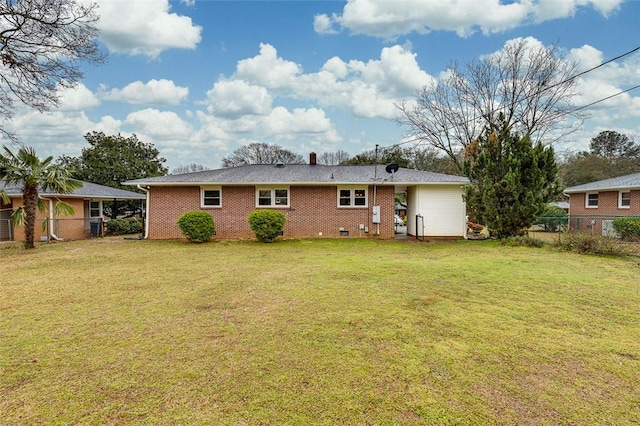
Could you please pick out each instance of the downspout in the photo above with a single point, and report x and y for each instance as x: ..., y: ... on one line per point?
x: 51, y: 234
x: 146, y: 212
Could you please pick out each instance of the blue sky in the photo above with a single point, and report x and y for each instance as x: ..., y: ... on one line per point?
x: 198, y: 79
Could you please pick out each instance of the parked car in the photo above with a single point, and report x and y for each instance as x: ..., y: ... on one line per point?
x: 398, y: 221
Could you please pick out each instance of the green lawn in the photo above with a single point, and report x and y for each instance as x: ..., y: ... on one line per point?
x: 317, y: 332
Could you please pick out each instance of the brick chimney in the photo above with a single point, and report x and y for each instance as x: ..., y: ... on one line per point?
x: 312, y: 158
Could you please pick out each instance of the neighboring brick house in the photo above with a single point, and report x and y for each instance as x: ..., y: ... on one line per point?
x: 317, y: 200
x: 594, y: 205
x: 87, y: 202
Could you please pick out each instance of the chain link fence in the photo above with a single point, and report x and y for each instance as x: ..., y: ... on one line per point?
x: 64, y: 229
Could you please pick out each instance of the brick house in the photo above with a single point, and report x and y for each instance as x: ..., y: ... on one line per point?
x: 593, y: 206
x: 87, y: 202
x: 317, y: 200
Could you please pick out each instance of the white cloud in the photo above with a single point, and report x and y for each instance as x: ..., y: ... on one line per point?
x: 108, y: 125
x: 586, y: 56
x: 336, y: 66
x: 212, y: 128
x: 607, y: 80
x: 389, y: 19
x: 159, y: 124
x: 397, y: 72
x: 300, y: 121
x: 267, y: 69
x: 237, y: 97
x: 242, y: 103
x: 532, y: 44
x: 323, y: 24
x: 77, y: 98
x: 619, y: 113
x: 153, y: 92
x: 33, y: 125
x: 52, y: 133
x: 145, y: 27
x: 546, y: 10
x: 366, y: 89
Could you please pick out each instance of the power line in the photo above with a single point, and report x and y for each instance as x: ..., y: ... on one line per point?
x: 602, y: 100
x: 596, y: 67
x: 559, y: 83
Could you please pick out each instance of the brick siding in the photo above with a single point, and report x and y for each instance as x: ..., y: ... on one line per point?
x: 607, y: 207
x: 312, y: 212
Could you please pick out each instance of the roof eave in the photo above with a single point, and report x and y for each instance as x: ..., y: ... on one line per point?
x: 323, y: 183
x: 614, y: 188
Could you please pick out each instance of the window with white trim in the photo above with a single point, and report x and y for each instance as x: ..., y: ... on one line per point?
x: 624, y: 199
x: 211, y: 196
x: 353, y: 196
x: 272, y: 196
x: 94, y: 209
x: 591, y: 200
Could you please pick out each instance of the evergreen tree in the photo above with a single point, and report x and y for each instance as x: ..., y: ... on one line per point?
x: 511, y: 180
x: 112, y: 159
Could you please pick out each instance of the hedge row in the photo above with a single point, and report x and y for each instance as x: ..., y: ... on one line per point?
x: 131, y: 225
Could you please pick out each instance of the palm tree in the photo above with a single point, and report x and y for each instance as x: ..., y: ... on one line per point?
x: 27, y: 169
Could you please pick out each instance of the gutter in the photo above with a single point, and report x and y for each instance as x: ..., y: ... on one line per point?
x: 146, y: 211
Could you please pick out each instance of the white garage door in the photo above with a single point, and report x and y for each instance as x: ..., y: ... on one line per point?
x: 442, y: 209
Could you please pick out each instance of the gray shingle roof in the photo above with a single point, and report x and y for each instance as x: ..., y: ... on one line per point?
x: 614, y: 184
x: 88, y: 190
x: 256, y: 174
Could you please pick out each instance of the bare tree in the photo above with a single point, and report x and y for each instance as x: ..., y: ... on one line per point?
x: 261, y: 153
x: 191, y: 168
x: 42, y: 43
x: 531, y: 85
x: 419, y: 158
x: 333, y: 158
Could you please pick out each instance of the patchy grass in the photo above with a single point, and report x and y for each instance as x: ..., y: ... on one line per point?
x: 317, y: 332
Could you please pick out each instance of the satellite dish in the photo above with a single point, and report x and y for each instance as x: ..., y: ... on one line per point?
x: 392, y: 168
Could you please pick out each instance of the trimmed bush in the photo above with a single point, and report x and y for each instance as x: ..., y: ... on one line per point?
x: 267, y: 224
x: 627, y: 227
x: 197, y: 226
x: 131, y: 225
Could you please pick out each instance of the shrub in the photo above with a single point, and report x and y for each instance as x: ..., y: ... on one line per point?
x: 522, y: 240
x: 131, y: 225
x: 627, y: 227
x: 588, y: 243
x: 267, y: 224
x: 197, y: 226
